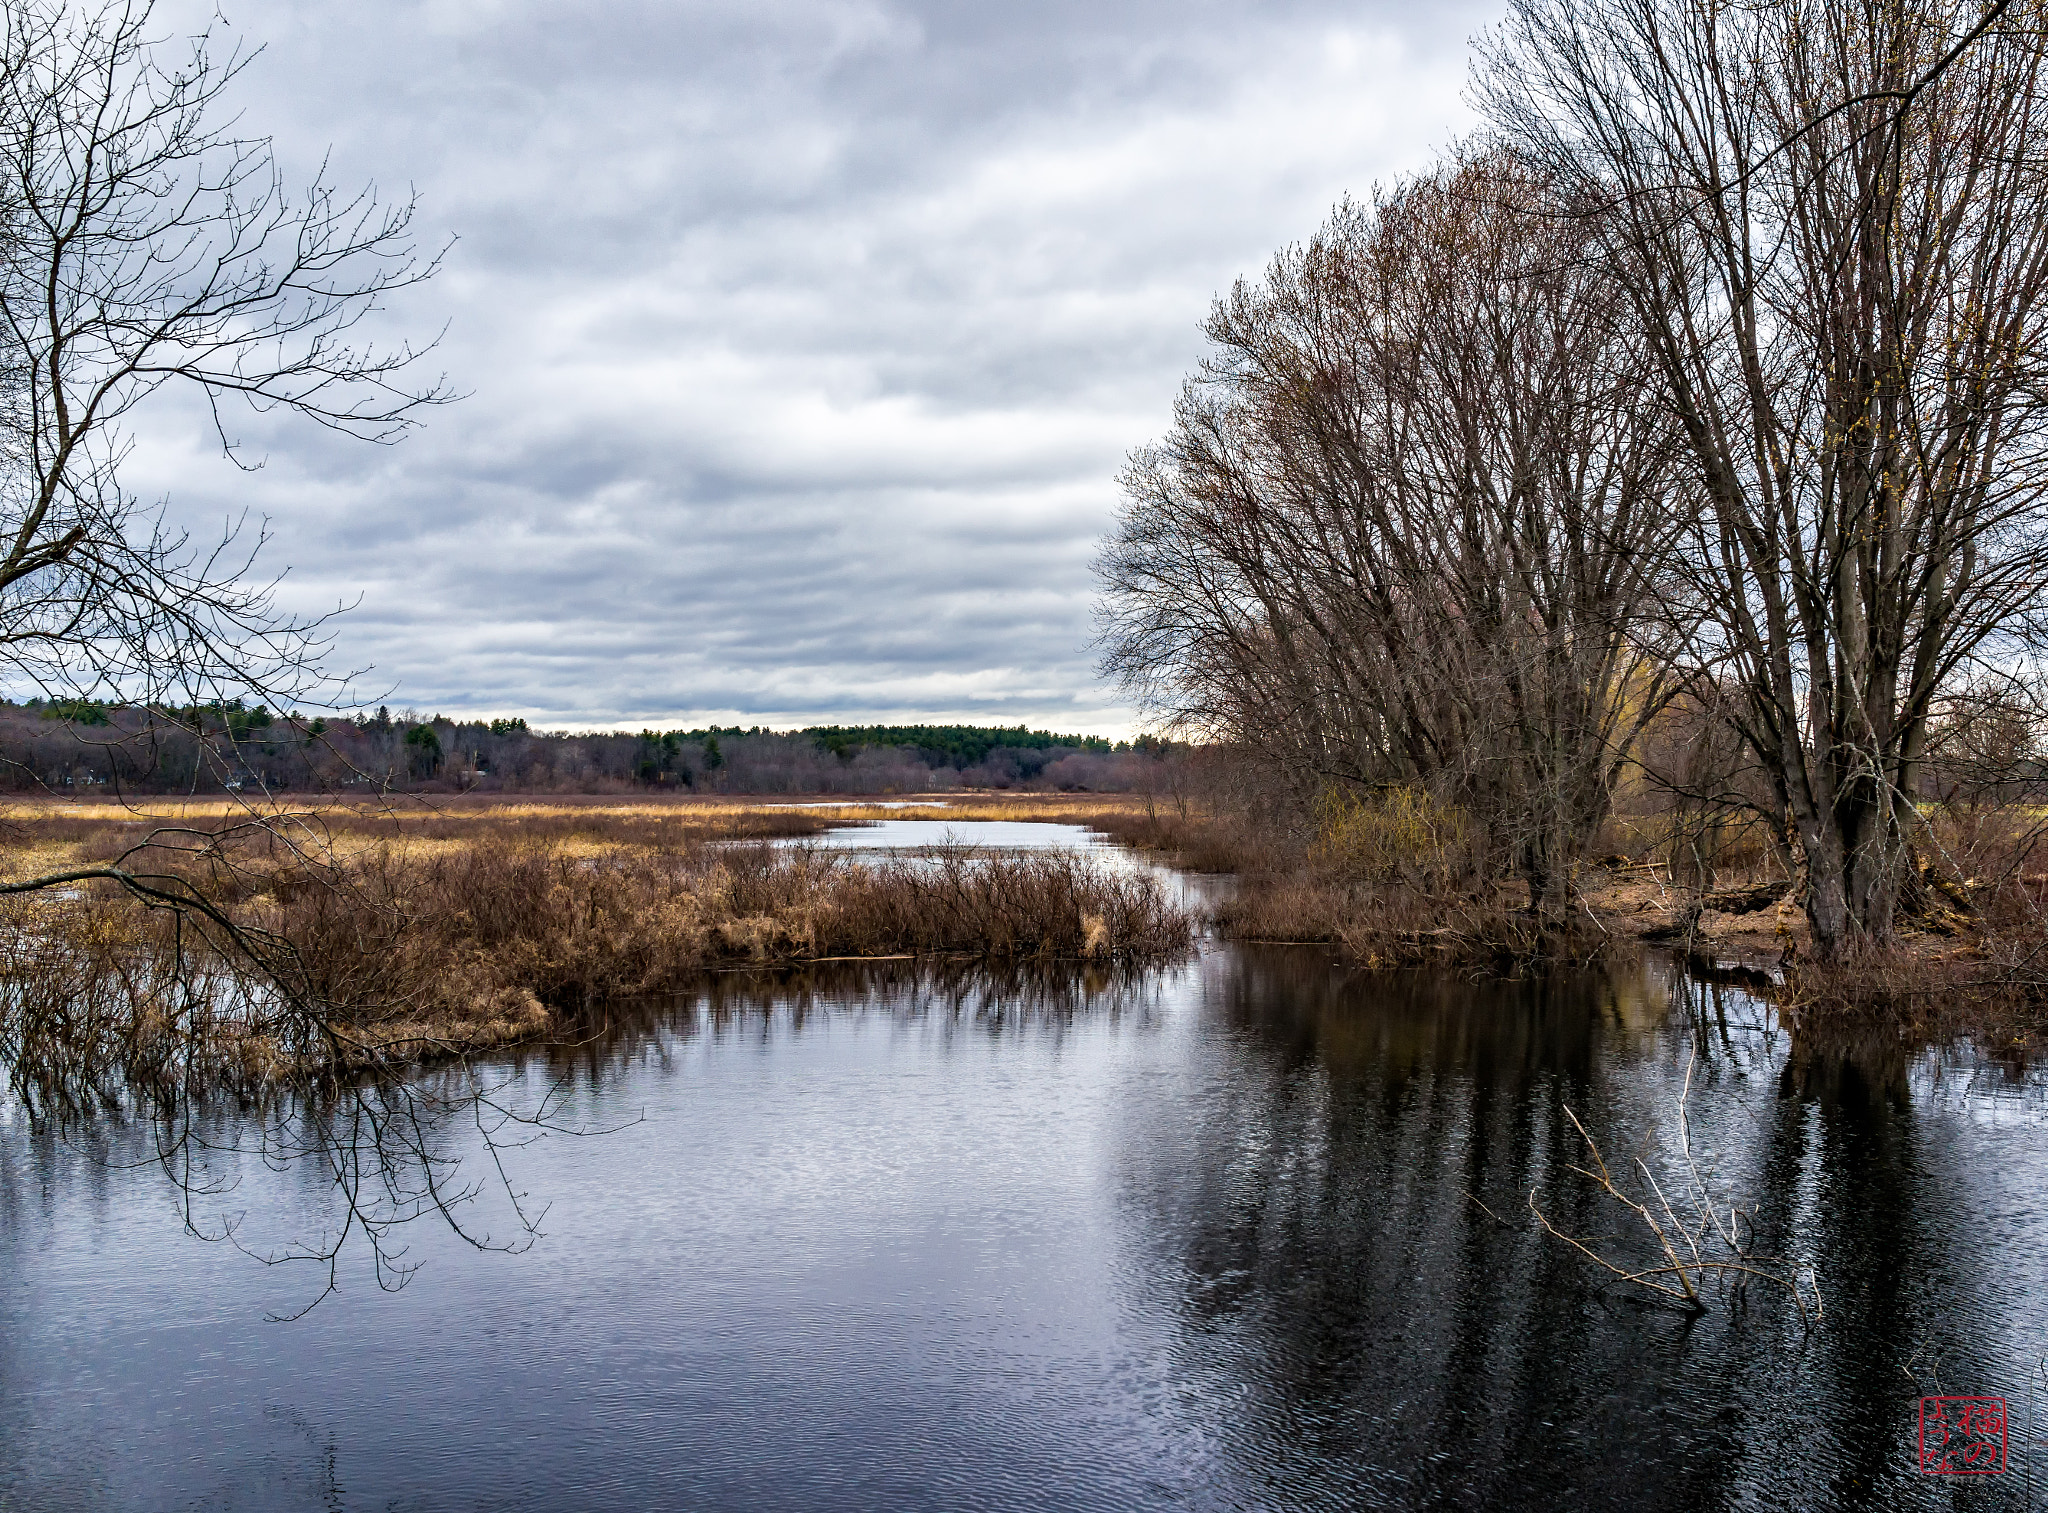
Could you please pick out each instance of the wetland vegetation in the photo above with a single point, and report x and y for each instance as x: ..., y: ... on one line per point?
x: 1591, y: 589
x: 356, y: 937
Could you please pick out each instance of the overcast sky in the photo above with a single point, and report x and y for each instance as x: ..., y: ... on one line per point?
x: 802, y: 339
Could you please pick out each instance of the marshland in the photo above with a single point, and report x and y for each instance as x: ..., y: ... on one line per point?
x: 342, y: 936
x: 762, y: 925
x: 1149, y: 1220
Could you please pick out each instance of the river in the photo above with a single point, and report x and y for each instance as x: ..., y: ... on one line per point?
x: 1250, y: 1231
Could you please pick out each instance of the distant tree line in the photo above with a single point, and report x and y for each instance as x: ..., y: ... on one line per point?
x: 74, y: 745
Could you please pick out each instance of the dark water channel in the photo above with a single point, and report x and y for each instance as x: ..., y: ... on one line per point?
x: 1209, y: 1237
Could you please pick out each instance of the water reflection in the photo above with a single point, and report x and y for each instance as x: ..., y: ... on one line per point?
x: 1391, y: 1340
x: 984, y: 835
x: 1247, y: 1233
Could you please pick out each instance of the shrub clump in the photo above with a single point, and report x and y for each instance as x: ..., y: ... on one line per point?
x: 395, y: 955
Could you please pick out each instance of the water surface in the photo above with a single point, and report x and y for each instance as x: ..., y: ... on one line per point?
x: 979, y: 835
x: 1249, y: 1232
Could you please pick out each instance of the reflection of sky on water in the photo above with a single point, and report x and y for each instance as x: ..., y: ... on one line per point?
x: 863, y: 804
x: 1208, y: 1237
x: 983, y: 835
x: 904, y: 840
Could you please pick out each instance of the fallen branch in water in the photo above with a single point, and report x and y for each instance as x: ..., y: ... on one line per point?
x: 1712, y: 1247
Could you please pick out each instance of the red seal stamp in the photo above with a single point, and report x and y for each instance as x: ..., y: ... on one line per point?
x: 1962, y: 1436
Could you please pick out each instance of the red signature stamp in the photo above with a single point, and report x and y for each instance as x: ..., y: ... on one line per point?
x: 1962, y: 1436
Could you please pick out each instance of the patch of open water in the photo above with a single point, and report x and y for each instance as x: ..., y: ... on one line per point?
x: 1215, y: 1236
x: 981, y: 835
x: 861, y: 803
x: 910, y: 840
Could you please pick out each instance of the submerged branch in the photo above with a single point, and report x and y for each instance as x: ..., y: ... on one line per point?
x: 1685, y: 1264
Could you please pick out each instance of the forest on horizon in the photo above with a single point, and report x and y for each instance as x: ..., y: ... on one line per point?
x: 76, y: 746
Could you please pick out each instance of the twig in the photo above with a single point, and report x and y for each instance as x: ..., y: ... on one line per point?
x: 1685, y: 1275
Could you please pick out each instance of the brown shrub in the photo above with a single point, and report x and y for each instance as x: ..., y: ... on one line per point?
x: 395, y: 955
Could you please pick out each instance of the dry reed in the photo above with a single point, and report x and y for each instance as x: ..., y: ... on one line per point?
x: 397, y: 952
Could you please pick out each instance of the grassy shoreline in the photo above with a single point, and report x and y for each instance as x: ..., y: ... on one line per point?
x: 423, y: 930
x: 364, y: 936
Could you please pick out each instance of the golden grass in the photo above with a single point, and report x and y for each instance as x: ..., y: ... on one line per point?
x: 20, y: 863
x: 48, y: 834
x: 972, y: 804
x: 425, y: 932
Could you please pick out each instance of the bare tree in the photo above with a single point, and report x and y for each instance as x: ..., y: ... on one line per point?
x: 145, y: 245
x: 1411, y: 523
x: 1829, y: 221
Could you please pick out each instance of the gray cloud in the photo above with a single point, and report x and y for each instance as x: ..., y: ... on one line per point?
x: 803, y: 338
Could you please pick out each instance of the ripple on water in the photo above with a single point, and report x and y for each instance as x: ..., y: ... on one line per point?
x: 1192, y: 1238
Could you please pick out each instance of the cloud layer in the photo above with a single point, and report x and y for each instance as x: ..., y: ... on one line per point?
x: 802, y: 338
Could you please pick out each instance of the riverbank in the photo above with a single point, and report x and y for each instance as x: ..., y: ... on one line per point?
x: 355, y: 937
x: 1947, y: 974
x: 408, y: 930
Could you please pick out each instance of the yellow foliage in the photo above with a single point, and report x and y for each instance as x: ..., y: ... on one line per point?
x: 1397, y: 833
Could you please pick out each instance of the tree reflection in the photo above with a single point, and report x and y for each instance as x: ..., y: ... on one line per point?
x: 1345, y: 1253
x: 379, y: 1152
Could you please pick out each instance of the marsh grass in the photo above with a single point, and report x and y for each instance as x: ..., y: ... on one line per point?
x: 1392, y: 880
x: 406, y: 942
